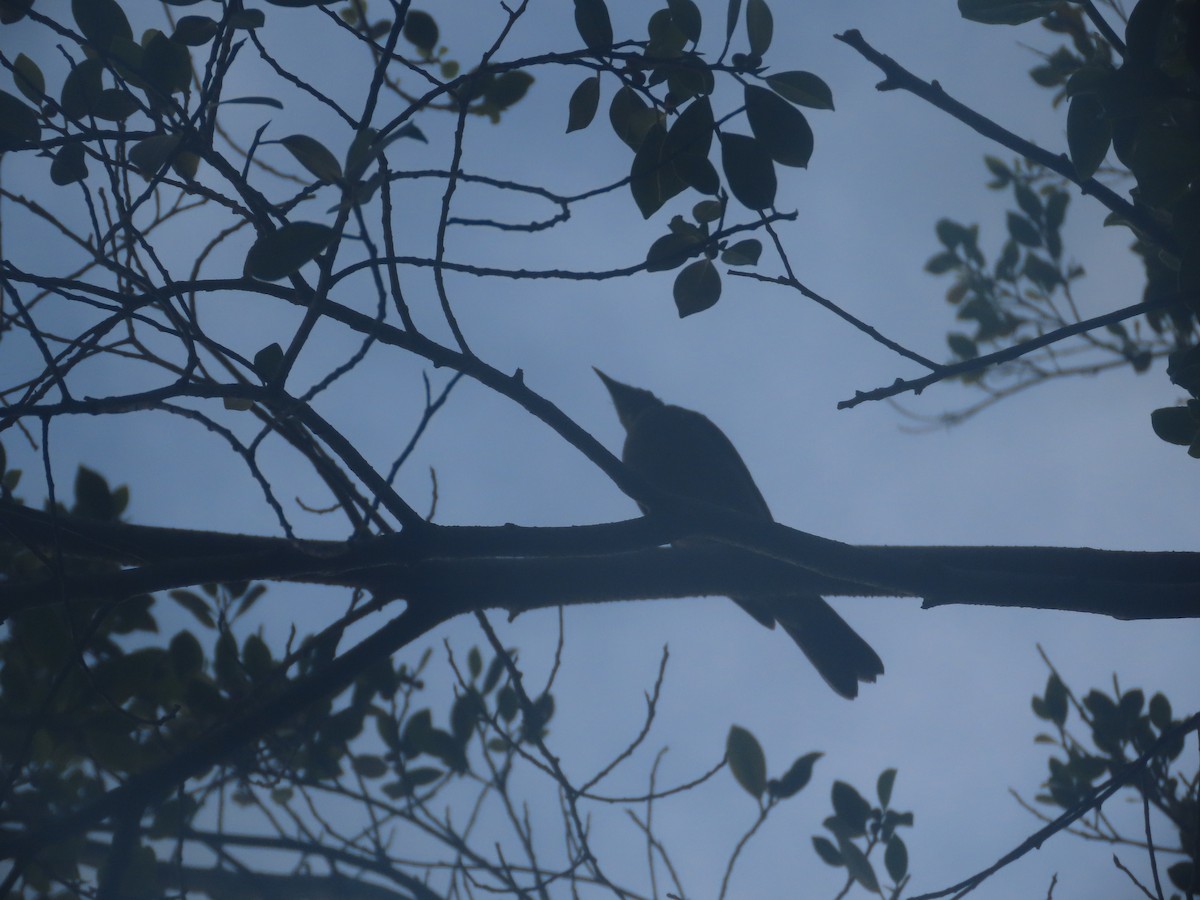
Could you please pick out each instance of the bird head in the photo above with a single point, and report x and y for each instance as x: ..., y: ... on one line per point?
x: 630, y: 402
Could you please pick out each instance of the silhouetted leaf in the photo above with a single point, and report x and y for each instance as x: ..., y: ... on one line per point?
x: 81, y: 88
x: 584, y: 102
x: 652, y: 179
x: 29, y: 78
x: 780, y: 128
x: 1175, y: 425
x: 195, y: 31
x: 101, y: 21
x: 421, y: 30
x: 686, y: 16
x: 670, y: 251
x: 827, y: 851
x: 760, y: 26
x: 507, y: 88
x: 796, y: 778
x: 313, y: 155
x: 746, y: 760
x: 1005, y: 12
x: 749, y: 171
x: 19, y: 125
x: 802, y: 88
x: 1089, y: 134
x: 858, y: 866
x: 594, y: 25
x: 850, y: 808
x: 283, y: 251
x: 267, y: 361
x: 743, y: 253
x: 196, y: 605
x: 152, y: 153
x: 884, y: 785
x: 255, y: 101
x: 631, y: 118
x: 69, y: 165
x: 697, y: 288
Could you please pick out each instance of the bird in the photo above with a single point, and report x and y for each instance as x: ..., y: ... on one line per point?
x: 681, y: 452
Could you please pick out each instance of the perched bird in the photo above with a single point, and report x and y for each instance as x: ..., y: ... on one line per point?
x: 681, y: 452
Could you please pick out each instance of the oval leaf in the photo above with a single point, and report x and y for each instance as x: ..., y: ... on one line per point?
x: 883, y: 787
x: 195, y: 31
x: 686, y: 16
x: 421, y: 30
x: 283, y: 251
x: 19, y: 126
x: 743, y: 253
x: 1089, y: 134
x: 652, y: 179
x: 697, y: 288
x: 851, y: 809
x: 594, y: 25
x: 630, y: 117
x: 1005, y: 12
x: 802, y: 88
x: 69, y: 165
x: 749, y: 171
x: 780, y: 128
x: 746, y: 760
x: 151, y: 154
x: 795, y: 778
x: 29, y: 78
x: 760, y: 26
x: 584, y: 102
x: 101, y: 21
x: 313, y: 155
x: 858, y: 866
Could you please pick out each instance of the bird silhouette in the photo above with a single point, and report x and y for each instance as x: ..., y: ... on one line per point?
x: 681, y: 452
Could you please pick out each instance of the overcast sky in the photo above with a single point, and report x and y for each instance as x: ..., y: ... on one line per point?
x: 1070, y: 464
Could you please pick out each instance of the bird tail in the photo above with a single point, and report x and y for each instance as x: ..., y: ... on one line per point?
x: 835, y: 649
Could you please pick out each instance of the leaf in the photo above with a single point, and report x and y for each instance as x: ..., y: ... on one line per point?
x: 802, y: 88
x: 895, y: 858
x: 1005, y: 12
x: 247, y: 19
x: 858, y: 866
x: 421, y: 30
x: 267, y: 361
x: 686, y: 16
x: 1023, y: 231
x: 314, y: 156
x: 884, y: 785
x: 652, y: 180
x: 708, y: 211
x: 507, y: 88
x: 115, y: 105
x: 749, y: 171
x: 29, y: 78
x: 81, y: 89
x: 630, y: 117
x: 69, y: 165
x: 743, y: 253
x: 850, y: 808
x: 796, y: 778
x: 101, y: 21
x: 195, y: 31
x: 583, y: 105
x: 151, y: 154
x: 733, y: 13
x: 19, y: 126
x: 670, y: 251
x: 1089, y: 134
x: 760, y: 26
x: 167, y: 64
x: 697, y: 288
x: 594, y: 25
x: 283, y: 251
x: 827, y: 851
x: 746, y: 760
x: 255, y: 101
x: 196, y: 605
x: 780, y: 128
x: 369, y: 766
x: 1175, y: 425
